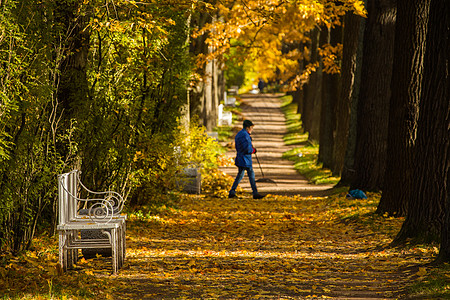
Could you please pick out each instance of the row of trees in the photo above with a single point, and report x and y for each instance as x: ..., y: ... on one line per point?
x: 372, y: 89
x: 396, y: 80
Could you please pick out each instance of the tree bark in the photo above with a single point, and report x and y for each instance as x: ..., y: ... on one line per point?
x: 354, y: 62
x: 351, y: 38
x: 411, y: 30
x: 207, y: 106
x: 331, y: 84
x: 312, y: 92
x: 297, y: 95
x: 198, y: 46
x: 373, y: 103
x: 430, y: 186
x: 73, y: 85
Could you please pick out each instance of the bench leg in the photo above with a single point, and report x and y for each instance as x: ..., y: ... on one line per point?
x: 114, y: 244
x: 122, y: 244
x: 119, y: 248
x: 113, y: 241
x: 124, y: 241
x: 62, y: 250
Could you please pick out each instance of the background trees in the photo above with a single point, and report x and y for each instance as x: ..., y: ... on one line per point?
x: 411, y: 29
x: 382, y: 152
x: 373, y: 103
x: 29, y: 120
x: 95, y: 85
x: 427, y: 204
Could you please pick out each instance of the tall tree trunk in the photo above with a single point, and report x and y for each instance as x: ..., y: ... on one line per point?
x: 73, y: 85
x: 348, y: 173
x: 307, y: 90
x: 185, y: 119
x: 430, y: 190
x: 198, y: 46
x: 207, y: 106
x: 373, y: 104
x: 312, y: 92
x: 215, y: 94
x: 410, y: 36
x: 331, y: 84
x: 351, y: 39
x: 297, y: 95
x: 72, y: 88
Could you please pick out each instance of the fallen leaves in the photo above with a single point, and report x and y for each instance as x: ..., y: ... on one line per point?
x: 285, y: 247
x: 209, y: 247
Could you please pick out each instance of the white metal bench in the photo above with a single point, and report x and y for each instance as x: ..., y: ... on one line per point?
x: 103, y: 214
x: 225, y: 117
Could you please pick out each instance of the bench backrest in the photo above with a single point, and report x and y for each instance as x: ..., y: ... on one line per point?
x: 99, y: 207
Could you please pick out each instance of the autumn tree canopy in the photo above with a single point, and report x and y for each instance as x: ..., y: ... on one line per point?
x: 272, y: 35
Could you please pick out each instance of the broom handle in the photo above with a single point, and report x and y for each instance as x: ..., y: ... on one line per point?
x: 257, y: 159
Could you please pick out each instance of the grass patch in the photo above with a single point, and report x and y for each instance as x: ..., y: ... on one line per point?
x: 435, y: 284
x: 305, y: 155
x: 224, y: 132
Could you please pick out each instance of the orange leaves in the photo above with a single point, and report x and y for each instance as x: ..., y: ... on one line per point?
x: 279, y: 247
x: 331, y: 58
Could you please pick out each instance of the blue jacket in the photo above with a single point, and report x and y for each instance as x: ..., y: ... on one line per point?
x: 244, y: 149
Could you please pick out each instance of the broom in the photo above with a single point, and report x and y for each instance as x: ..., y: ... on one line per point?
x: 263, y: 179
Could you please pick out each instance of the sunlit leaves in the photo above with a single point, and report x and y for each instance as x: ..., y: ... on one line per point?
x: 331, y: 57
x: 264, y: 27
x: 278, y: 247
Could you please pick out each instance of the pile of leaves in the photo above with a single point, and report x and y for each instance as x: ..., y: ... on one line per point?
x: 209, y: 247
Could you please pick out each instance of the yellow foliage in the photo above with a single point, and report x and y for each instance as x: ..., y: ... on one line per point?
x: 331, y: 58
x: 287, y: 247
x: 265, y: 27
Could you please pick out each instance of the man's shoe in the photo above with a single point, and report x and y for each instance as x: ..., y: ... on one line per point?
x: 231, y: 196
x: 258, y: 196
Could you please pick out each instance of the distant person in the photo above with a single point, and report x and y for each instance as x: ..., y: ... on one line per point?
x: 244, y: 149
x: 261, y: 85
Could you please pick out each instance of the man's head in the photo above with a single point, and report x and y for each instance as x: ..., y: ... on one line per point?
x: 248, y: 125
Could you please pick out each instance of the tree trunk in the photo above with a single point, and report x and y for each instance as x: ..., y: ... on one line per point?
x: 297, y: 95
x: 411, y: 30
x: 198, y: 46
x: 314, y: 132
x: 331, y: 84
x: 207, y: 106
x: 215, y: 94
x: 352, y: 36
x: 430, y: 190
x: 348, y: 173
x: 72, y: 90
x: 312, y: 92
x: 373, y: 104
x: 73, y: 85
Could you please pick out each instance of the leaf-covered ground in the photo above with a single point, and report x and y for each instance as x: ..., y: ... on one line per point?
x: 276, y: 248
x: 212, y: 248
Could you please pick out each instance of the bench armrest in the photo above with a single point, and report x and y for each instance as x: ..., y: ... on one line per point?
x: 101, y: 208
x: 114, y: 198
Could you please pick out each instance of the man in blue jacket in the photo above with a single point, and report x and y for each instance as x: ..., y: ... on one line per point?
x: 244, y: 149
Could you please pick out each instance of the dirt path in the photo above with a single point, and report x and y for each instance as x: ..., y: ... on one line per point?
x: 279, y: 247
x: 270, y: 128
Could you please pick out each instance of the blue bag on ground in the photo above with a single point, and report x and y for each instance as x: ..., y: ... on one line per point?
x: 356, y: 194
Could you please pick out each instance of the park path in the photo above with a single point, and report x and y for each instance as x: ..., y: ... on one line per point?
x: 293, y: 244
x: 270, y: 128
